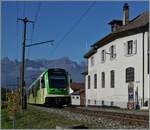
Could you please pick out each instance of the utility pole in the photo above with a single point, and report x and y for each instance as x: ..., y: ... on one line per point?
x: 22, y: 84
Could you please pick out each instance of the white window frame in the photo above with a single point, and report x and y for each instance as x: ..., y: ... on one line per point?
x: 133, y: 50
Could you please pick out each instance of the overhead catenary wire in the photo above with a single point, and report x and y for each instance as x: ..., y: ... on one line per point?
x: 37, y: 11
x: 74, y: 26
x: 33, y: 25
x: 35, y: 20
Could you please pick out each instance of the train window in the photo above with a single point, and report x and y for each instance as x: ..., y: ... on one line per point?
x: 30, y: 91
x: 42, y: 82
x: 33, y: 92
x: 38, y: 84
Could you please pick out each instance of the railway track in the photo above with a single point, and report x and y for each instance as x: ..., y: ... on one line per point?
x: 130, y: 119
x: 137, y: 121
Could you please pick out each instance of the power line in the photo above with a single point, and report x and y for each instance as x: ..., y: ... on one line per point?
x: 37, y: 12
x: 33, y: 25
x: 74, y: 25
x: 35, y: 20
x: 39, y: 43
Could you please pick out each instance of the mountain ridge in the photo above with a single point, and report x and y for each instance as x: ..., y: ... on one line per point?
x: 33, y: 68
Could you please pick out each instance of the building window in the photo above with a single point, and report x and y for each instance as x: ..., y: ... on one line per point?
x: 95, y: 102
x: 148, y: 46
x: 102, y: 102
x: 112, y: 52
x: 129, y: 74
x: 88, y: 101
x: 103, y: 57
x: 130, y: 47
x: 112, y: 79
x: 103, y: 79
x: 148, y: 63
x: 92, y: 61
x: 95, y: 80
x: 89, y: 81
x: 111, y: 103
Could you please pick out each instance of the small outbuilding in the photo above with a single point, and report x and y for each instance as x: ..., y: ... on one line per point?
x: 78, y: 94
x: 78, y: 97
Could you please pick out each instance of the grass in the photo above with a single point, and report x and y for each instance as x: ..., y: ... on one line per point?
x: 36, y: 119
x: 6, y: 122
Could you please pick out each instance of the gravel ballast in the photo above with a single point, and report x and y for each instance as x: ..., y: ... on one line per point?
x: 97, y: 122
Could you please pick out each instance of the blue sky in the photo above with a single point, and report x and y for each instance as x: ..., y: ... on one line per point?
x: 54, y: 21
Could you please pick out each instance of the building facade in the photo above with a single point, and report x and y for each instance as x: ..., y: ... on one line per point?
x: 118, y: 64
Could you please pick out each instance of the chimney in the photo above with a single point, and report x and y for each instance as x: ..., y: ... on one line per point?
x: 125, y: 14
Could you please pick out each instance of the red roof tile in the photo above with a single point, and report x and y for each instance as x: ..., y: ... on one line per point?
x: 76, y: 86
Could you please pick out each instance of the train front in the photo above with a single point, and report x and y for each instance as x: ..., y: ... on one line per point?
x: 58, y: 87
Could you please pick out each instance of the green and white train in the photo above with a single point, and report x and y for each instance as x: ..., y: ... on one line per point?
x: 50, y: 88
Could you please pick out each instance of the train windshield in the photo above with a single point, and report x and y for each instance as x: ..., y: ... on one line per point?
x: 57, y: 80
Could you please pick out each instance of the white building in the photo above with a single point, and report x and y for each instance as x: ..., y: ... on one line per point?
x: 76, y: 97
x: 118, y: 64
x: 78, y: 94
